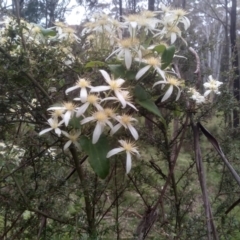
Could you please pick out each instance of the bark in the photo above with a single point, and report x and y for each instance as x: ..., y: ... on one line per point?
x: 235, y: 64
x: 151, y: 5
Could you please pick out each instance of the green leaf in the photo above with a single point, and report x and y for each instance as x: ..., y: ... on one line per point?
x: 167, y: 56
x: 143, y: 98
x: 140, y: 93
x: 48, y: 32
x: 97, y: 155
x: 94, y: 64
x: 160, y: 49
x: 117, y: 70
x: 75, y: 122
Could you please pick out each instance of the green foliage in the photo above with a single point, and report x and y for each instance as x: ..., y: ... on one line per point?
x: 97, y: 155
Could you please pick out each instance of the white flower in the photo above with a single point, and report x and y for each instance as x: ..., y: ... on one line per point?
x: 212, y: 86
x: 54, y: 125
x: 73, y: 137
x: 114, y: 85
x: 126, y: 96
x: 83, y: 84
x: 68, y: 109
x: 151, y: 62
x: 196, y: 96
x: 125, y: 120
x: 173, y: 82
x: 91, y: 100
x: 102, y: 120
x: 130, y: 149
x: 125, y: 47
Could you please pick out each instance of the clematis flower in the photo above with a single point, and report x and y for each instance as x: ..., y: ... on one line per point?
x: 151, y: 62
x: 212, y: 86
x: 124, y: 50
x: 196, y: 96
x: 125, y: 121
x: 126, y: 96
x: 68, y: 109
x: 173, y: 82
x: 114, y: 85
x: 130, y: 150
x: 91, y: 100
x: 54, y: 125
x: 73, y: 137
x: 83, y: 84
x: 102, y: 120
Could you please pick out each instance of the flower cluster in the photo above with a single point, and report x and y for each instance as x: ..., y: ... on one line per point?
x: 212, y: 86
x: 90, y: 108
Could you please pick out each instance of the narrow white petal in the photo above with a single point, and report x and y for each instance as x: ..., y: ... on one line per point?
x: 71, y: 89
x: 67, y: 117
x: 115, y: 128
x: 131, y: 105
x: 44, y: 131
x: 106, y: 76
x: 114, y: 151
x: 161, y: 72
x: 168, y: 93
x: 67, y: 144
x: 65, y: 134
x: 179, y: 93
x: 97, y: 133
x: 133, y: 132
x: 81, y: 110
x: 58, y: 131
x: 159, y: 82
x: 117, y: 50
x: 207, y: 93
x: 120, y: 81
x: 98, y: 106
x: 109, y: 98
x: 121, y: 98
x: 87, y: 119
x: 128, y: 58
x: 128, y: 162
x: 109, y: 124
x: 55, y: 108
x: 100, y: 89
x: 142, y: 71
x: 173, y: 37
x: 83, y: 95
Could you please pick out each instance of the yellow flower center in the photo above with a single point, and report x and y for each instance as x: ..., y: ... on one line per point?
x: 83, y: 83
x: 109, y: 112
x: 180, y: 12
x: 57, y: 113
x: 69, y: 106
x: 100, y: 116
x: 126, y: 119
x: 153, y: 61
x: 73, y: 137
x: 173, y: 81
x: 92, y: 98
x: 128, y: 42
x: 114, y: 85
x: 148, y: 14
x: 128, y: 146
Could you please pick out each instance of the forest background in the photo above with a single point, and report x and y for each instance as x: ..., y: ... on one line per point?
x: 184, y: 185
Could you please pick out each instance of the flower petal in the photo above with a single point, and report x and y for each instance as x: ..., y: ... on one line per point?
x: 128, y: 58
x: 100, y: 89
x: 120, y: 98
x: 83, y: 95
x: 142, y: 71
x: 81, y: 110
x: 67, y: 144
x: 115, y: 128
x: 106, y: 76
x: 128, y: 162
x: 87, y: 119
x: 168, y: 93
x: 71, y: 89
x: 44, y: 131
x: 97, y: 133
x: 133, y: 131
x: 114, y: 151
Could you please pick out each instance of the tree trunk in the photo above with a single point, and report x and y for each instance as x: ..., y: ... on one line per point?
x: 235, y: 64
x: 151, y: 5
